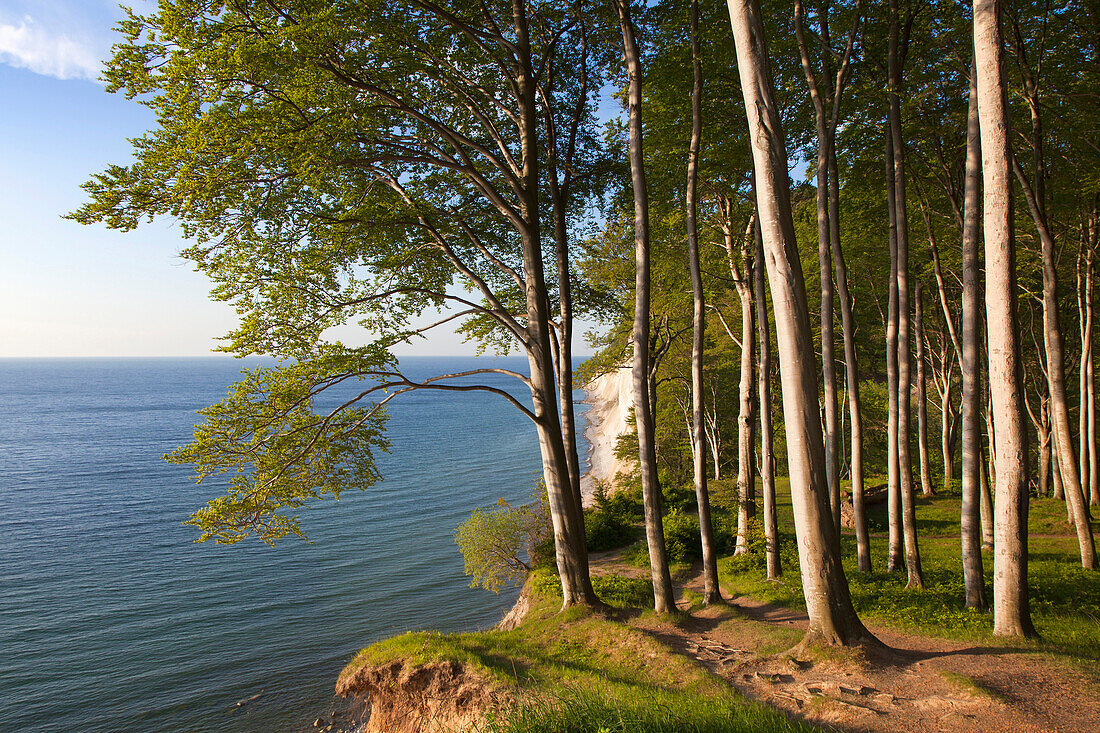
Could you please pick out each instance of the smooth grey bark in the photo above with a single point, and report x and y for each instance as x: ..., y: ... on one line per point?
x: 894, y: 553
x: 560, y: 187
x: 1090, y: 380
x: 922, y: 394
x: 663, y: 600
x: 851, y: 373
x: 1011, y: 615
x: 1086, y: 377
x: 970, y: 364
x: 904, y: 384
x: 1056, y: 479
x: 711, y: 592
x: 832, y: 618
x: 827, y: 95
x: 764, y: 398
x: 566, y: 516
x: 746, y: 483
x: 1056, y: 373
x: 1042, y: 431
x: 947, y: 435
x: 825, y: 270
x: 1084, y: 313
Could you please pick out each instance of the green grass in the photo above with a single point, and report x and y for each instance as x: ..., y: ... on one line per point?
x: 1065, y: 599
x: 581, y: 671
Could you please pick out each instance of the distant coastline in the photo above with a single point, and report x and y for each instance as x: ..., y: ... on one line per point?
x: 610, y: 401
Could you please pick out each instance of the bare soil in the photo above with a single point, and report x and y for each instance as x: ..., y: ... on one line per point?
x: 913, y: 683
x: 405, y: 698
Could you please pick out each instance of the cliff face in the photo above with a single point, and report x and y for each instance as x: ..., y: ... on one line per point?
x: 425, y: 698
x: 610, y: 397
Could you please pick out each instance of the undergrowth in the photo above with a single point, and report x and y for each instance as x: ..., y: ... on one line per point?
x: 1065, y: 599
x: 579, y: 671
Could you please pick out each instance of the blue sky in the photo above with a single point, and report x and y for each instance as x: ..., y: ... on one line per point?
x: 73, y: 290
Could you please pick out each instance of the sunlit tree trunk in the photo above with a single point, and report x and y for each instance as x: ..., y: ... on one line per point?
x: 832, y: 618
x: 663, y: 599
x: 1056, y: 373
x: 970, y: 366
x: 746, y: 483
x: 922, y: 396
x: 711, y: 592
x: 764, y: 395
x: 904, y: 385
x: 1011, y: 615
x: 894, y: 555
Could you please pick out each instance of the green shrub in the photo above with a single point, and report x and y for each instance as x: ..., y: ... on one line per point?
x: 614, y: 590
x: 682, y: 541
x: 605, y: 530
x: 499, y: 547
x: 623, y: 592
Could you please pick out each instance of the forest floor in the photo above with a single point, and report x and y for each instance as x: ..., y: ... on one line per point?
x: 739, y: 667
x: 914, y: 683
x: 939, y: 669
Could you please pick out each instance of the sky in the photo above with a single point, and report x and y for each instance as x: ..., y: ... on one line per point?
x: 69, y: 290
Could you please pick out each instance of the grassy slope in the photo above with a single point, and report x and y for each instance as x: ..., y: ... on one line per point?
x: 580, y: 671
x: 1065, y: 599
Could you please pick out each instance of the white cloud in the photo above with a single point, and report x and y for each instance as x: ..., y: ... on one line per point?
x: 26, y: 46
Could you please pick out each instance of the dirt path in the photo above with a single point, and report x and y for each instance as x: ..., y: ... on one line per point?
x: 916, y: 683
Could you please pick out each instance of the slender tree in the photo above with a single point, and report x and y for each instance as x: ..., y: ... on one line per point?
x: 663, y: 599
x: 764, y: 397
x: 711, y: 592
x: 1011, y: 615
x: 922, y: 393
x: 895, y: 61
x: 970, y: 364
x: 828, y: 603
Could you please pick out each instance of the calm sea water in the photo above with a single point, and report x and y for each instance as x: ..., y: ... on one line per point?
x: 113, y: 619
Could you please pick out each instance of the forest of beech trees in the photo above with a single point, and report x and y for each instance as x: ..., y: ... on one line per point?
x: 861, y: 236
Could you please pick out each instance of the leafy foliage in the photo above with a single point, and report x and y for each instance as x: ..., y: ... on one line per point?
x: 279, y: 452
x: 499, y: 547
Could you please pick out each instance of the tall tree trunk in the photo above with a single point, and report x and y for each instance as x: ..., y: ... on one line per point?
x: 1041, y: 423
x: 922, y: 395
x: 1090, y: 395
x: 1084, y: 313
x: 746, y: 483
x: 1011, y: 615
x: 1056, y: 374
x: 905, y: 384
x: 764, y: 394
x: 559, y: 195
x: 1056, y: 478
x: 832, y: 618
x: 970, y: 365
x: 663, y: 600
x: 828, y: 231
x: 851, y: 371
x: 947, y: 434
x: 566, y: 516
x: 894, y: 556
x: 711, y: 593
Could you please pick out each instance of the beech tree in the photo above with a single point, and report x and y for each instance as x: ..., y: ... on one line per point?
x: 828, y: 603
x: 1011, y: 615
x: 664, y: 602
x: 711, y: 592
x: 360, y: 163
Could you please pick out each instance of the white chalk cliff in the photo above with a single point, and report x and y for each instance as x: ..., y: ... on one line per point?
x: 610, y: 397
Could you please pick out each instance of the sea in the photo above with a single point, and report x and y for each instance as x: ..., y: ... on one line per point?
x: 113, y: 618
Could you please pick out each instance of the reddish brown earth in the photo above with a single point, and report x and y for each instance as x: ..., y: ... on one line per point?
x: 914, y: 683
